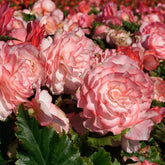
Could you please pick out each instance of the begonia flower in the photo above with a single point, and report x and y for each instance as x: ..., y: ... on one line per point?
x: 159, y: 88
x: 67, y: 59
x: 48, y: 113
x: 115, y: 95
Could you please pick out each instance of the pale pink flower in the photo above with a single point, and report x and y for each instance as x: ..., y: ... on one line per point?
x: 109, y: 14
x: 159, y: 88
x: 43, y: 7
x: 67, y: 59
x: 100, y: 32
x: 50, y: 23
x: 19, y: 34
x: 58, y: 14
x: 15, y: 86
x: 126, y: 14
x: 35, y: 34
x: 109, y: 9
x: 160, y: 113
x: 145, y: 162
x: 45, y: 43
x: 153, y: 17
x: 95, y: 3
x: 115, y: 95
x: 141, y: 130
x: 149, y: 28
x: 156, y: 42
x: 150, y: 60
x: 83, y: 7
x: 33, y: 63
x: 118, y: 37
x: 81, y: 20
x: 48, y: 113
x: 6, y: 14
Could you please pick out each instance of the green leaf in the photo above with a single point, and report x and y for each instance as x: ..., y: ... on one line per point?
x: 153, y: 154
x: 100, y: 43
x: 159, y: 132
x: 130, y: 26
x: 28, y: 17
x: 65, y: 12
x: 116, y: 162
x: 42, y: 145
x: 116, y: 27
x: 101, y: 156
x: 1, y: 159
x: 159, y: 71
x: 108, y: 140
x: 88, y: 161
x: 93, y: 11
x: 6, y: 38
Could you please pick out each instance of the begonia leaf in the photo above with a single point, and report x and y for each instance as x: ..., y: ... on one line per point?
x: 153, y: 154
x: 100, y: 157
x: 108, y: 140
x: 6, y: 38
x: 116, y: 162
x: 1, y: 159
x: 88, y: 161
x: 159, y: 132
x: 130, y: 26
x: 28, y: 17
x: 42, y: 145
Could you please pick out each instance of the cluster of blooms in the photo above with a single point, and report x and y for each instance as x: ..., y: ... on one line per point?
x: 112, y: 86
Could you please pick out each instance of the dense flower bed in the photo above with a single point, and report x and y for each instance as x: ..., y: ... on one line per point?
x: 81, y: 80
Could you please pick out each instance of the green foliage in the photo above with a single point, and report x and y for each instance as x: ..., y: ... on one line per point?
x: 28, y: 17
x: 6, y: 38
x: 1, y: 159
x: 65, y: 12
x: 116, y: 27
x: 116, y: 162
x: 101, y: 156
x: 160, y: 71
x: 100, y: 43
x: 130, y: 26
x: 108, y: 140
x: 149, y: 151
x: 158, y: 132
x: 157, y: 103
x: 42, y: 145
x: 93, y: 11
x: 7, y: 140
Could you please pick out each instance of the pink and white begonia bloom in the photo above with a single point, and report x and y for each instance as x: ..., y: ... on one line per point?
x: 15, y: 85
x: 48, y: 113
x: 6, y: 14
x: 149, y: 28
x: 156, y: 42
x: 83, y: 7
x: 43, y: 7
x: 35, y: 33
x: 19, y: 34
x: 126, y: 14
x: 115, y: 95
x: 100, y: 32
x: 52, y: 22
x: 159, y: 88
x: 118, y: 37
x: 81, y: 20
x: 67, y: 59
x: 154, y: 17
x: 161, y: 113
